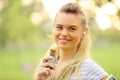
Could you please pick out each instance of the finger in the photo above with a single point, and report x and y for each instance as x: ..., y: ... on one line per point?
x: 48, y: 71
x: 45, y: 71
x: 46, y: 59
x: 47, y: 65
x: 50, y: 65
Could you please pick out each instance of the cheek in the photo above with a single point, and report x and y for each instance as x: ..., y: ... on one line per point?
x: 77, y: 38
x: 55, y: 35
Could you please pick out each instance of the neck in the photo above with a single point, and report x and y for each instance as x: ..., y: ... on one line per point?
x: 66, y: 55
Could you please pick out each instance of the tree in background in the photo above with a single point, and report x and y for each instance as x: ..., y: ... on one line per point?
x: 26, y: 22
x: 17, y: 22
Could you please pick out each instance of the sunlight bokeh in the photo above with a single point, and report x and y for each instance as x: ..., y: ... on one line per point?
x: 117, y: 3
x: 25, y: 34
x: 103, y: 20
x: 36, y: 18
x: 52, y: 6
x: 109, y: 9
x: 102, y: 14
x: 26, y: 2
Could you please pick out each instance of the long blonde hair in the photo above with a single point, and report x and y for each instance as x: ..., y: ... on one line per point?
x: 83, y: 48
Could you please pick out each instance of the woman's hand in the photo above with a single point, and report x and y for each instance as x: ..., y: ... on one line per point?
x: 44, y: 69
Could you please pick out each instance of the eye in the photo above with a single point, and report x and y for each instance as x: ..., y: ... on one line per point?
x: 58, y: 27
x: 72, y: 28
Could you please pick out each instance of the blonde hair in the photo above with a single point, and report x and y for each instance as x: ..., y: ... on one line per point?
x: 83, y: 48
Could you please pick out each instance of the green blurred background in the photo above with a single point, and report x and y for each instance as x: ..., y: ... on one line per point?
x: 25, y: 34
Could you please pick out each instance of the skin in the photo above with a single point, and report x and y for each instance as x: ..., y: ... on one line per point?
x: 44, y: 69
x: 67, y: 30
x: 67, y: 33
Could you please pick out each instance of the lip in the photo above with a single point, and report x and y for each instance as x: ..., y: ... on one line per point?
x: 64, y: 40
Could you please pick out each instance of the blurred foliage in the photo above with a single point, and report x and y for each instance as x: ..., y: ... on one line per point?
x: 111, y: 35
x: 17, y: 28
x: 21, y: 64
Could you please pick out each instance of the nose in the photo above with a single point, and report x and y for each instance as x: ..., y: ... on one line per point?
x: 64, y: 32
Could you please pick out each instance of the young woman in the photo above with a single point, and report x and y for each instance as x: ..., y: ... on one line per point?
x: 71, y: 49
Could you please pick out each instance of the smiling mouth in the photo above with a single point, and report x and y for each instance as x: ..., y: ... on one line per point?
x: 64, y: 40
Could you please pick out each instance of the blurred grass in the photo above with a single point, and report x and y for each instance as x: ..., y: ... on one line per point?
x: 18, y: 65
x: 21, y: 64
x: 108, y: 56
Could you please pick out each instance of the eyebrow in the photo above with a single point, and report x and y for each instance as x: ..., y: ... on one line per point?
x: 68, y: 26
x: 73, y: 26
x: 59, y: 24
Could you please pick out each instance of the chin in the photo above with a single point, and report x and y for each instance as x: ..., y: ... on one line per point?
x: 64, y: 46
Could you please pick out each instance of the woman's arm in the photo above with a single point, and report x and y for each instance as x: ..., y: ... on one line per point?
x: 109, y: 77
x: 105, y: 78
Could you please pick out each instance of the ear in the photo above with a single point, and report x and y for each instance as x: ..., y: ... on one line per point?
x: 86, y: 29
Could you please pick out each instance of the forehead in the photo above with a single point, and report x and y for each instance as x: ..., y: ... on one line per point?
x: 67, y: 19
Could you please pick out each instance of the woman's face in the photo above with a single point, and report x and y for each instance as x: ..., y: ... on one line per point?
x: 67, y: 30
